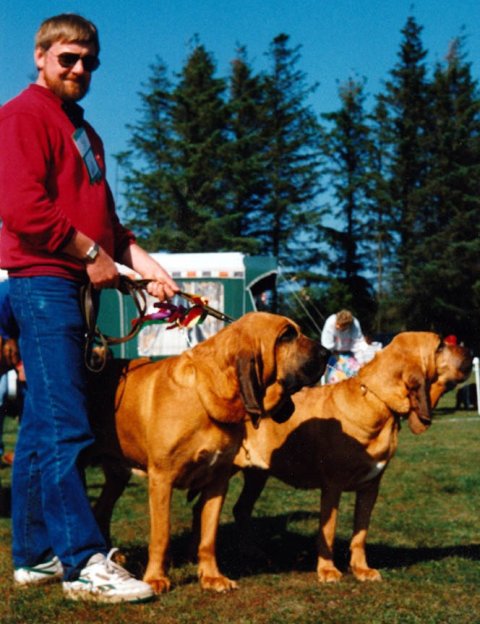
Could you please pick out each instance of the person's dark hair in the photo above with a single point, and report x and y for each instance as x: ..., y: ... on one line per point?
x: 67, y: 28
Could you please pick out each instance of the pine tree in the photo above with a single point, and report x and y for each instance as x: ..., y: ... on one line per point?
x: 244, y: 163
x: 147, y: 166
x: 175, y: 180
x: 347, y: 148
x: 380, y: 228
x: 407, y: 102
x: 448, y: 273
x: 287, y: 220
x: 200, y: 125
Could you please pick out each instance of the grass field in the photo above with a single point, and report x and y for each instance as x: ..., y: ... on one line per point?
x: 424, y: 538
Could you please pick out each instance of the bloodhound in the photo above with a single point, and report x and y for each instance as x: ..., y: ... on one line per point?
x: 182, y: 420
x: 9, y: 354
x: 342, y: 436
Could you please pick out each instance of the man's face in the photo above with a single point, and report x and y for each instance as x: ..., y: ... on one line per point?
x: 69, y: 83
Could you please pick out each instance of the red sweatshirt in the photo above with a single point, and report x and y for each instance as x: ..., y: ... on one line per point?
x: 46, y: 193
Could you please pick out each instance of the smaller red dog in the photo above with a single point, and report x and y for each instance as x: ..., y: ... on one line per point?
x: 341, y: 437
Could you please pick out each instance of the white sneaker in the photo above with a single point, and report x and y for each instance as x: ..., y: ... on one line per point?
x: 103, y: 580
x: 41, y: 574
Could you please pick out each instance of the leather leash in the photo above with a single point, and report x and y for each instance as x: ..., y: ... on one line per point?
x: 137, y: 290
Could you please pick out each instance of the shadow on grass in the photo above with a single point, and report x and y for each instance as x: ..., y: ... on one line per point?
x: 275, y: 549
x: 283, y: 550
x: 5, y: 501
x: 445, y: 411
x: 272, y: 548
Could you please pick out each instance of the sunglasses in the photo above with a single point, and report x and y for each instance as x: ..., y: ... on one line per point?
x: 68, y: 60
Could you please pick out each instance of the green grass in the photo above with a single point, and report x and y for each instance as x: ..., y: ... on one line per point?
x: 424, y: 537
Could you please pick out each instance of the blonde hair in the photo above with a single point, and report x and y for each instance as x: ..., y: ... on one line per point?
x: 344, y: 318
x: 66, y: 28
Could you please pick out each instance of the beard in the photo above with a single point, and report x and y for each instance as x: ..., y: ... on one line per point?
x: 68, y: 89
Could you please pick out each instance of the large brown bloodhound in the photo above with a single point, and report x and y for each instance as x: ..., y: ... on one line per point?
x: 342, y: 436
x: 182, y: 420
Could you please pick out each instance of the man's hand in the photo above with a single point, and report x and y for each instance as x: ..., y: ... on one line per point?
x: 103, y: 272
x: 162, y: 285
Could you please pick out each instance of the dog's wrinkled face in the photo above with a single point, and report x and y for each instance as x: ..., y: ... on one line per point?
x: 454, y: 365
x: 451, y: 365
x: 281, y: 360
x: 301, y: 361
x: 413, y: 371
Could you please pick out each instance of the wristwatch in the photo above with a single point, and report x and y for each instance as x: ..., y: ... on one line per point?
x: 92, y: 253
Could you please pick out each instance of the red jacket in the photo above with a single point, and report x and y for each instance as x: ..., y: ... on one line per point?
x: 45, y: 190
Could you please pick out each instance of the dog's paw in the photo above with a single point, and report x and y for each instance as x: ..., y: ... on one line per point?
x: 328, y: 574
x: 159, y: 585
x: 366, y: 574
x: 218, y: 584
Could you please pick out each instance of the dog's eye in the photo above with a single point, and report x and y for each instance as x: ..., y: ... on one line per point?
x: 289, y: 334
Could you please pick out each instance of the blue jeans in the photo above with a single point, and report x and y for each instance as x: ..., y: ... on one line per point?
x: 3, y: 412
x: 51, y: 513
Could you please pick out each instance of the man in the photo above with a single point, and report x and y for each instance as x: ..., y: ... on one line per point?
x: 59, y: 230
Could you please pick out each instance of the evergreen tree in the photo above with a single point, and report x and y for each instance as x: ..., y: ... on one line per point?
x: 380, y: 229
x: 176, y: 181
x: 211, y: 169
x: 447, y: 279
x: 347, y: 147
x: 200, y: 125
x: 147, y: 166
x: 244, y: 163
x: 286, y: 223
x: 407, y: 102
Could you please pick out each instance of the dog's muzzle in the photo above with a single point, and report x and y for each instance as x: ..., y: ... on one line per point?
x: 312, y: 369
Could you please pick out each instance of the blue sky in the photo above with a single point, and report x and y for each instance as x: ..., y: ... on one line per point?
x: 339, y: 39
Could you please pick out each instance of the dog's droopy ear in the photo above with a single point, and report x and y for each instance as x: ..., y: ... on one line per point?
x: 420, y: 415
x: 250, y: 387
